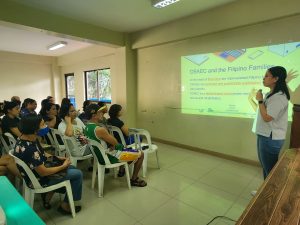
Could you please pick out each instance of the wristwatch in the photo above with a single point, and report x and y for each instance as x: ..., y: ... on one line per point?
x: 260, y: 102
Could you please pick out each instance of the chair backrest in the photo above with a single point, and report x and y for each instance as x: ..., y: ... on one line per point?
x: 100, y: 147
x: 5, y: 146
x: 116, y: 130
x: 34, y: 181
x: 141, y: 132
x: 55, y: 133
x: 11, y: 139
x: 56, y: 136
x: 50, y: 137
x: 70, y: 144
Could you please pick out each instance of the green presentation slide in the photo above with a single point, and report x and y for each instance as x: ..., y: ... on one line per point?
x: 218, y: 84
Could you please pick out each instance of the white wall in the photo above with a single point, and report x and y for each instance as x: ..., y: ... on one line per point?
x: 97, y: 57
x: 27, y: 76
x: 159, y: 78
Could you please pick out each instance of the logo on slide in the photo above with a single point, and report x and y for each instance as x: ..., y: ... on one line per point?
x: 231, y: 55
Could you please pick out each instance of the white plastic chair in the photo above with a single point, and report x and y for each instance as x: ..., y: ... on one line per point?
x: 37, y: 188
x: 96, y: 146
x: 147, y: 147
x: 5, y: 146
x: 70, y: 143
x: 11, y: 139
x: 113, y: 129
x: 60, y: 150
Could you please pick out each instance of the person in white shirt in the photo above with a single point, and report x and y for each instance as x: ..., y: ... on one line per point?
x: 71, y: 126
x: 271, y: 123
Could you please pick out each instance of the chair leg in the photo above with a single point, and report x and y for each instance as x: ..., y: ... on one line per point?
x: 127, y: 176
x: 115, y: 172
x: 145, y: 163
x: 28, y: 196
x: 95, y: 165
x: 157, y: 160
x: 18, y: 183
x: 70, y: 198
x: 130, y: 168
x: 101, y: 173
x: 31, y: 201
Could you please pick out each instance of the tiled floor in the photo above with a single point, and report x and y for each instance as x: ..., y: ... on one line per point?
x: 189, y: 188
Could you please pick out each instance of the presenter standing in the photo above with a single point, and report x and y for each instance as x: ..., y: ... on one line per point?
x: 271, y: 122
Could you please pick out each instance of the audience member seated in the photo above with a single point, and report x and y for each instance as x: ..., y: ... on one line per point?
x: 11, y: 119
x: 115, y: 112
x: 104, y: 110
x: 82, y: 116
x: 28, y: 107
x: 49, y: 115
x: 16, y: 99
x: 97, y: 133
x: 51, y: 99
x: 30, y: 151
x: 1, y: 109
x: 9, y: 168
x: 57, y: 108
x: 71, y: 126
x: 44, y: 102
x: 65, y: 101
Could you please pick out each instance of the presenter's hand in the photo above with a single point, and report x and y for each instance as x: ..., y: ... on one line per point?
x: 259, y: 95
x: 292, y: 74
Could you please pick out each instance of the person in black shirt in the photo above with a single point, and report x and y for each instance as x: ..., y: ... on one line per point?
x: 82, y: 115
x: 115, y: 112
x: 49, y: 115
x: 11, y: 119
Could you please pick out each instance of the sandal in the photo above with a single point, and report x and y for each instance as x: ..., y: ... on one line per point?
x: 65, y: 212
x: 121, y: 172
x: 138, y: 182
x: 46, y: 204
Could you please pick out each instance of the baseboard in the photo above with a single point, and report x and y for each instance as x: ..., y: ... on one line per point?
x: 200, y: 150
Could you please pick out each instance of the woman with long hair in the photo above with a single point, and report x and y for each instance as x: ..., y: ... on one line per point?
x: 49, y: 115
x: 272, y: 117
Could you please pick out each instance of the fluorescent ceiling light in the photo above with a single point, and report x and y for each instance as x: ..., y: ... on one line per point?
x: 162, y: 3
x: 57, y: 45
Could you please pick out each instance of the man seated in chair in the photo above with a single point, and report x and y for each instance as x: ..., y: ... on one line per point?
x: 97, y: 133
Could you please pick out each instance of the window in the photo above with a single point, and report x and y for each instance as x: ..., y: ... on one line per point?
x: 98, y: 85
x: 70, y: 87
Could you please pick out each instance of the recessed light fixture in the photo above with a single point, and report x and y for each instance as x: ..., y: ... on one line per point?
x: 162, y: 3
x: 57, y: 45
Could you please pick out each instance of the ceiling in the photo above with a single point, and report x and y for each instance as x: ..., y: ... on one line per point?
x: 32, y: 42
x: 116, y: 15
x: 123, y: 15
